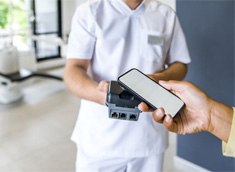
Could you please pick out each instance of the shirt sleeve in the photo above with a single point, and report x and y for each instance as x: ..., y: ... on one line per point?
x: 178, y: 50
x: 81, y: 38
x: 229, y: 147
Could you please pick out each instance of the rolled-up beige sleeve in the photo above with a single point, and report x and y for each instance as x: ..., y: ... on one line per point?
x: 229, y: 147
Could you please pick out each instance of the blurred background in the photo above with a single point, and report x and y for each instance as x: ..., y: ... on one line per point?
x: 37, y: 113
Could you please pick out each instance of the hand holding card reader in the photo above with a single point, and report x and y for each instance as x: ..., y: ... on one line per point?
x: 150, y: 92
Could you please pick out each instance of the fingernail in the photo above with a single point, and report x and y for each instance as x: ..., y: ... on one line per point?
x: 168, y: 119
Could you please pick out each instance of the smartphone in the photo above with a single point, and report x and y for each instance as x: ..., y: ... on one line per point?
x: 150, y: 92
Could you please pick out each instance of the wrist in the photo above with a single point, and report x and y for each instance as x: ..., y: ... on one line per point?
x: 212, y: 118
x: 221, y: 120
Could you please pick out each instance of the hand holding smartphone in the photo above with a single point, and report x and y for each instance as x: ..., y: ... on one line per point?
x: 150, y: 92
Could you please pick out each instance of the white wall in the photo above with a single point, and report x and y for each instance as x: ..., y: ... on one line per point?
x: 68, y: 9
x: 78, y: 2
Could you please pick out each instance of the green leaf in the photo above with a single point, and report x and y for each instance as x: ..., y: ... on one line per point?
x: 3, y: 14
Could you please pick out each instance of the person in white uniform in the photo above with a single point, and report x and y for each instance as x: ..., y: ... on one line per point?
x: 109, y: 37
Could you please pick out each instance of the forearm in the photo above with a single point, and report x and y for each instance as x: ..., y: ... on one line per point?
x: 221, y: 120
x: 176, y: 71
x: 80, y: 84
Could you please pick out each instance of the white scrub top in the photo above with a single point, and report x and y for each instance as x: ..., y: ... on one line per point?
x: 115, y: 39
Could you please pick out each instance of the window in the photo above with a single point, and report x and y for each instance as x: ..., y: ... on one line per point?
x: 13, y: 23
x: 47, y: 27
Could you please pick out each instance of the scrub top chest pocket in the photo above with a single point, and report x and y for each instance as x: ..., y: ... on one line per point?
x: 154, y: 43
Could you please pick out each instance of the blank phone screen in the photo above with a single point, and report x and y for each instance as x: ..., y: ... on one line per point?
x: 151, y: 92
